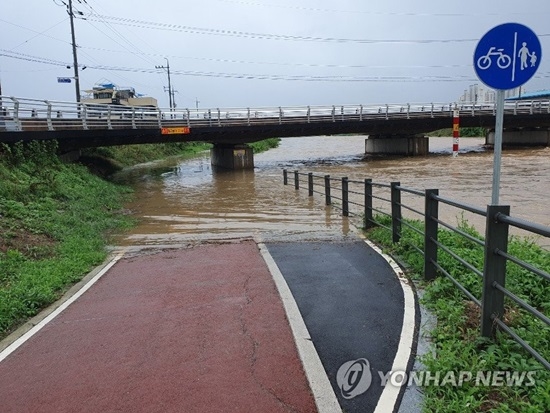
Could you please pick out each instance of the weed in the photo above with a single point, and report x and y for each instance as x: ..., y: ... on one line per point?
x: 456, y: 337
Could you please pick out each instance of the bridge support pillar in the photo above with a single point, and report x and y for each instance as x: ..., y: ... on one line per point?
x: 521, y: 137
x: 229, y: 156
x: 397, y: 145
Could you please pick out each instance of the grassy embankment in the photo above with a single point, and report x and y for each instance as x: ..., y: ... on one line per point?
x: 54, y: 222
x: 457, y: 343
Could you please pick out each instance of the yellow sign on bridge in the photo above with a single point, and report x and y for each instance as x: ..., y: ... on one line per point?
x: 180, y: 130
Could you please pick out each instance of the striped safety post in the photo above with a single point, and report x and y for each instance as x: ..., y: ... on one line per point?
x: 456, y: 132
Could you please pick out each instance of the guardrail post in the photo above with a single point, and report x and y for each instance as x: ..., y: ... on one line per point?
x: 408, y: 110
x: 110, y: 123
x: 188, y: 118
x: 84, y: 114
x: 361, y: 113
x: 345, y: 196
x: 248, y: 116
x: 328, y: 199
x: 333, y: 113
x: 387, y: 112
x: 49, y: 115
x: 285, y: 177
x: 432, y: 111
x: 296, y: 180
x: 431, y: 214
x: 219, y: 117
x: 494, y: 269
x: 369, y: 221
x: 280, y: 115
x: 16, y: 118
x: 308, y: 114
x: 134, y: 118
x: 396, y: 211
x: 310, y: 183
x: 342, y: 113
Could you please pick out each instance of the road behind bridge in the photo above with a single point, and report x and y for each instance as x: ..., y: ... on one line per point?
x: 206, y: 328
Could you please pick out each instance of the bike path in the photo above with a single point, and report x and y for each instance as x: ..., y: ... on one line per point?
x: 206, y: 329
x: 191, y: 330
x: 352, y: 303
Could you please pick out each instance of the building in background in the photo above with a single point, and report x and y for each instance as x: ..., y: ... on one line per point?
x: 480, y: 94
x: 109, y: 93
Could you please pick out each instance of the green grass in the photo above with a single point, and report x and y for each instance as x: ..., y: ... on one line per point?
x: 456, y: 339
x: 266, y: 144
x: 54, y: 223
x: 464, y: 132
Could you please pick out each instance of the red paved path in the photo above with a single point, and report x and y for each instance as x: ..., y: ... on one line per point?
x: 196, y: 330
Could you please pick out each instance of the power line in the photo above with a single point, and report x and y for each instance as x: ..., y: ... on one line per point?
x: 267, y: 36
x: 292, y: 64
x: 368, y: 12
x: 136, y: 50
x: 31, y: 58
x: 35, y: 31
x: 249, y: 76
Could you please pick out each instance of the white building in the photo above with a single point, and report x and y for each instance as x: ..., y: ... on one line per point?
x: 479, y: 94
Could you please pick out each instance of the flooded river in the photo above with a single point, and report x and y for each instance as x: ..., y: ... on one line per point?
x: 178, y: 201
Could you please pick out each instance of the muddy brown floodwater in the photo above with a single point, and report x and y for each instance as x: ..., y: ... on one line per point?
x: 178, y: 201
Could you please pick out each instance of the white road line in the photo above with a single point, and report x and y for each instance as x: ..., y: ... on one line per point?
x: 388, y: 398
x: 324, y: 395
x: 21, y: 340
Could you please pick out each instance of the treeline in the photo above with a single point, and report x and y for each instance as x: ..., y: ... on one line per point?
x: 464, y: 132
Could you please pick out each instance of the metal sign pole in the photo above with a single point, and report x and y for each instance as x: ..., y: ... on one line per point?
x: 498, y: 147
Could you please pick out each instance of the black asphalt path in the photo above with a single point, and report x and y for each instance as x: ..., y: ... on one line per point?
x: 352, y: 303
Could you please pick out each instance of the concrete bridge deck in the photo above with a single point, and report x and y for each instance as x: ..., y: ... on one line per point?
x: 78, y: 126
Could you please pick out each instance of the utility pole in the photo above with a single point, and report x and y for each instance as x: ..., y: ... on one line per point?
x: 170, y: 92
x: 75, y: 59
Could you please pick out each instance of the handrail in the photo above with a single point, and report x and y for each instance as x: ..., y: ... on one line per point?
x: 495, y: 245
x: 59, y: 115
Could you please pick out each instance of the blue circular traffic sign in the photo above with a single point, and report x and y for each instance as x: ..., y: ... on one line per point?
x: 507, y: 56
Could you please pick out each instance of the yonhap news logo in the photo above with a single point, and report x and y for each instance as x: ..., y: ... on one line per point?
x: 355, y: 378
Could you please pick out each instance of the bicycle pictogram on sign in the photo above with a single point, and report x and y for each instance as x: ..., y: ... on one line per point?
x: 503, y: 60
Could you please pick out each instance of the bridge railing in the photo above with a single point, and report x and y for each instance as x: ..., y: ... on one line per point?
x: 372, y: 201
x: 22, y: 114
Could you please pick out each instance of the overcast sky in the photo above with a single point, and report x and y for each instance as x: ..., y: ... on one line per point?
x: 240, y: 53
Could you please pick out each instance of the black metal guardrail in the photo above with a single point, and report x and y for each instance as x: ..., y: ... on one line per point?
x: 498, y: 221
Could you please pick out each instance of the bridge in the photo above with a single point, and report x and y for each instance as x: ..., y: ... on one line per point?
x: 391, y: 128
